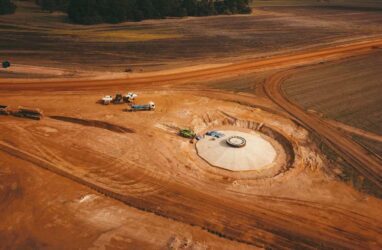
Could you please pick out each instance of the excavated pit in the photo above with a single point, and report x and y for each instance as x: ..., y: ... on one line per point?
x: 284, y: 147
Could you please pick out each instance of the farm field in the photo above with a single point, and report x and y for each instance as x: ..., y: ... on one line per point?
x: 333, y: 90
x: 33, y: 37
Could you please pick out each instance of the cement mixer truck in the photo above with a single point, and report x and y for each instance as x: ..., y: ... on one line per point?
x: 144, y: 107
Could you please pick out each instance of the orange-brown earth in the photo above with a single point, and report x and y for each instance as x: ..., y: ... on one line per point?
x: 96, y: 176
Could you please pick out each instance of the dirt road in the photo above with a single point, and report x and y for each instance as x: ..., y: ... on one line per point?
x: 287, y: 60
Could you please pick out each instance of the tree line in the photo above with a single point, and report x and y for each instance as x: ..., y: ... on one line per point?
x: 114, y: 11
x: 52, y: 5
x: 7, y: 7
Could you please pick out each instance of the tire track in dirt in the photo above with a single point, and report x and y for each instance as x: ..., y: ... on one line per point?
x: 360, y: 158
x: 268, y: 223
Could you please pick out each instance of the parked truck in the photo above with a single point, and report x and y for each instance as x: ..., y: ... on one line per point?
x: 4, y: 110
x: 130, y: 97
x: 144, y: 107
x: 187, y: 133
x: 106, y: 100
x: 6, y: 64
x: 30, y: 113
x: 118, y: 99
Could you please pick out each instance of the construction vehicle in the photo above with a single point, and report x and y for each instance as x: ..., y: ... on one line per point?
x: 130, y: 97
x: 215, y: 134
x: 187, y: 133
x: 31, y: 113
x: 199, y: 137
x: 118, y: 99
x: 106, y: 100
x: 6, y: 64
x: 144, y: 107
x: 4, y: 110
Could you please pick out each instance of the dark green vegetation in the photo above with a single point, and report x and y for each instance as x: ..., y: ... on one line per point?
x: 52, y: 5
x: 114, y: 11
x: 349, y: 92
x: 7, y: 7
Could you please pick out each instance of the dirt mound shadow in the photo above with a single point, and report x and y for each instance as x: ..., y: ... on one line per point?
x: 94, y: 123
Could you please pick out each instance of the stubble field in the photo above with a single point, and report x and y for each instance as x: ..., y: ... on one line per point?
x: 347, y: 91
x: 33, y: 37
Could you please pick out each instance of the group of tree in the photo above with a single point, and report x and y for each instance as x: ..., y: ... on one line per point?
x: 52, y: 5
x: 114, y: 11
x: 7, y: 7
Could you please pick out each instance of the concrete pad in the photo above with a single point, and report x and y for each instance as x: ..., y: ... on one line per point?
x: 258, y: 153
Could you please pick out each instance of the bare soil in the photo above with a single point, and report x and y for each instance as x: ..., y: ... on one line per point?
x: 41, y: 210
x: 157, y: 171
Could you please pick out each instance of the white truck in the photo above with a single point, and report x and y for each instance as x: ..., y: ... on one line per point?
x: 130, y: 97
x: 4, y: 110
x: 106, y: 100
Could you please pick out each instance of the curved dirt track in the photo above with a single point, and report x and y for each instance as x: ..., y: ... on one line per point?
x: 264, y: 220
x: 303, y: 57
x: 360, y: 158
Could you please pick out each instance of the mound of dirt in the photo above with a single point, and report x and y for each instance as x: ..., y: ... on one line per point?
x: 94, y: 123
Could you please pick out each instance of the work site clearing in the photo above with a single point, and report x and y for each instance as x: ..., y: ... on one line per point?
x: 215, y: 157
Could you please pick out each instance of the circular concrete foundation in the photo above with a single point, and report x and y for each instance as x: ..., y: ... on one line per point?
x: 256, y: 154
x: 236, y: 141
